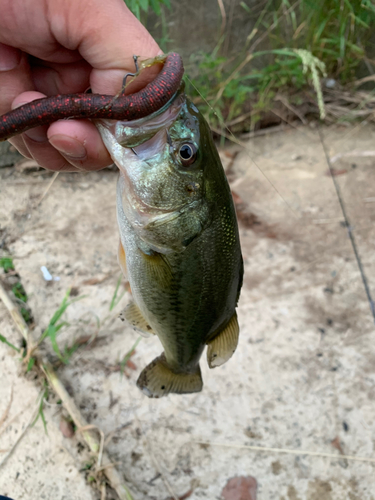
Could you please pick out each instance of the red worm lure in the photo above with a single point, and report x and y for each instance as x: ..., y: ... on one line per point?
x: 122, y: 107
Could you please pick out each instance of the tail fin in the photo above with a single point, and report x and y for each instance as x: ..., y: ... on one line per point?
x: 158, y: 380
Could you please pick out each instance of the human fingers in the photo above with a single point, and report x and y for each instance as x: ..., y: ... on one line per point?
x: 55, y: 78
x: 107, y: 36
x: 79, y: 142
x: 67, y: 145
x: 15, y: 76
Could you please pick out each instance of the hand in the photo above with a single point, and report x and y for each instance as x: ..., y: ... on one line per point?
x: 52, y: 47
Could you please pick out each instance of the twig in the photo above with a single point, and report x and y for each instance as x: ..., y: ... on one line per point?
x: 157, y: 467
x: 288, y: 451
x: 103, y: 494
x: 113, y: 476
x: 102, y: 440
x: 359, y: 82
x: 39, y: 200
x: 6, y: 412
x: 293, y: 109
x: 15, y: 417
x: 29, y: 423
x: 223, y: 17
x: 264, y: 131
x: 356, y: 152
x: 17, y: 317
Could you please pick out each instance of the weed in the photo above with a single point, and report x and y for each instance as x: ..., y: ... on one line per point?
x: 231, y: 96
x: 115, y: 300
x: 129, y: 496
x: 55, y: 326
x: 40, y: 411
x: 7, y: 264
x: 19, y: 292
x: 327, y: 36
x: 5, y: 341
x: 128, y: 355
x: 136, y: 6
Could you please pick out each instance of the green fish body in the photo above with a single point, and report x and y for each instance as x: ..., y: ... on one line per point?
x: 179, y: 246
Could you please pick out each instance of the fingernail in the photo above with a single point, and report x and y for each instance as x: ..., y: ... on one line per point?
x: 68, y: 146
x: 9, y: 57
x: 38, y: 134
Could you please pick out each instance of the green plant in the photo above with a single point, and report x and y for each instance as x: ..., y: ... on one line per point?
x: 54, y: 327
x: 115, y: 300
x: 224, y: 99
x: 136, y: 6
x: 336, y: 32
x: 128, y: 355
x: 7, y: 264
x: 289, y: 47
x: 40, y: 413
x: 19, y: 292
x: 6, y: 342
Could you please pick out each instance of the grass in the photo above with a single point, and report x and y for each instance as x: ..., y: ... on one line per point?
x: 40, y: 414
x: 128, y: 355
x: 18, y: 290
x: 55, y: 326
x: 115, y: 299
x: 6, y: 342
x: 288, y: 49
x: 139, y: 7
x: 7, y: 264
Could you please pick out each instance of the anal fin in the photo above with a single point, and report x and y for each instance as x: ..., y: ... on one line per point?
x: 133, y: 315
x: 158, y: 380
x: 222, y: 347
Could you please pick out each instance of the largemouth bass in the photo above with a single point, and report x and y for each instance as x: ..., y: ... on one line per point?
x: 179, y: 243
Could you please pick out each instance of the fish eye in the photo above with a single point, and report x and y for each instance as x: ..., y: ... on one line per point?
x: 187, y: 154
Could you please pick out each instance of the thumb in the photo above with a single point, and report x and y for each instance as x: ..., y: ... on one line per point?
x: 107, y: 35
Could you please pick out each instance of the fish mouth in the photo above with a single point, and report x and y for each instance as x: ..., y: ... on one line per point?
x: 142, y: 151
x: 130, y: 134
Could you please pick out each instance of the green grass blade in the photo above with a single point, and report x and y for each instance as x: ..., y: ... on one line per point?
x: 7, y: 264
x: 30, y: 364
x: 5, y: 341
x: 129, y: 496
x: 128, y: 355
x: 116, y: 300
x: 41, y: 412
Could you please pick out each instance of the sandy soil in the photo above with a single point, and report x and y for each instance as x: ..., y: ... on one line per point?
x: 302, y: 378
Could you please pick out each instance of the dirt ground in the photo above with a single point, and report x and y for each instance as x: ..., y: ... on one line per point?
x: 301, y: 380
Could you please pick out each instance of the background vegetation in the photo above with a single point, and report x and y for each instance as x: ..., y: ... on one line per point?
x: 251, y: 58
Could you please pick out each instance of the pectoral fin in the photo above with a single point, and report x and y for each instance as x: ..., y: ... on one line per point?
x: 157, y: 269
x: 134, y: 317
x: 222, y: 347
x: 158, y: 380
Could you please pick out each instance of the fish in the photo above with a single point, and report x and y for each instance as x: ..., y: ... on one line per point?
x: 179, y: 242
